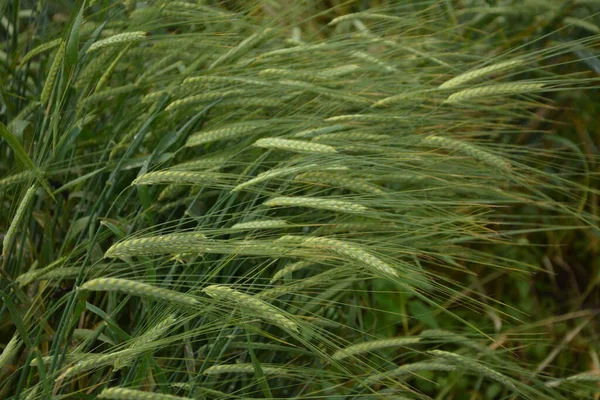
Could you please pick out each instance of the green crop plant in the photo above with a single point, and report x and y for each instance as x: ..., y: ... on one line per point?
x: 292, y: 199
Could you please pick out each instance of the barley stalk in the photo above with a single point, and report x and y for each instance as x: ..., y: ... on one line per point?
x: 470, y: 150
x: 131, y: 394
x: 243, y: 369
x: 475, y: 366
x: 16, y: 221
x: 367, y: 347
x: 260, y: 308
x: 52, y: 74
x: 320, y: 203
x: 505, y: 89
x: 127, y: 37
x: 480, y: 72
x: 294, y: 145
x: 163, y: 244
x: 139, y: 289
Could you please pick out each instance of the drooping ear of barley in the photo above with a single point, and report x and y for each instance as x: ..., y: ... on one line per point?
x: 41, y: 49
x: 17, y: 219
x: 140, y: 289
x: 243, y: 369
x: 121, y: 38
x: 132, y: 394
x: 481, y: 72
x: 227, y: 132
x: 294, y: 145
x: 469, y: 150
x: 10, y: 351
x: 258, y: 307
x: 261, y: 224
x: 373, y: 345
x: 339, y: 180
x: 242, y: 48
x: 505, y: 89
x: 163, y: 244
x: 474, y: 366
x: 289, y: 269
x: 320, y: 203
x: 52, y: 74
x: 409, y: 369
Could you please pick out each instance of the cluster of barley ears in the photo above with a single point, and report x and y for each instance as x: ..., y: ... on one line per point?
x: 243, y: 200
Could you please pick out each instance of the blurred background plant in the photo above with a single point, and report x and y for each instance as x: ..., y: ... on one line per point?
x: 294, y: 199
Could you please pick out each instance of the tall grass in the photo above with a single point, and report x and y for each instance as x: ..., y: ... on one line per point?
x: 273, y: 200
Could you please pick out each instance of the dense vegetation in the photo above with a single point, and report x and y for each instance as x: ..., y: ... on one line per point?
x: 299, y: 199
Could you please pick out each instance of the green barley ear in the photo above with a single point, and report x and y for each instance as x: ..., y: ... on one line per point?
x: 132, y: 394
x: 121, y: 38
x: 251, y: 303
x: 475, y: 366
x: 467, y: 77
x: 52, y: 74
x: 506, y: 89
x: 139, y: 289
x: 8, y: 239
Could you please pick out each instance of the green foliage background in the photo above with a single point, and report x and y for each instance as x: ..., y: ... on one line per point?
x: 440, y: 216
